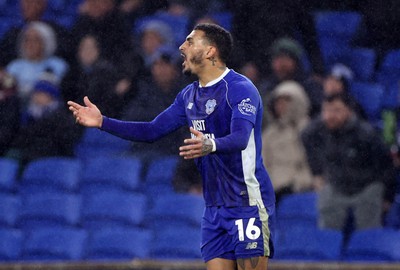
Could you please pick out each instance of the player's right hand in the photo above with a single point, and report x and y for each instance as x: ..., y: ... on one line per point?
x: 88, y: 115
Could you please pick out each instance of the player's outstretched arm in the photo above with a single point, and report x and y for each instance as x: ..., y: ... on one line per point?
x: 88, y: 115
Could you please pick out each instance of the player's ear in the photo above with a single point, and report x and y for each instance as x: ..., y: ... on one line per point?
x: 211, y: 52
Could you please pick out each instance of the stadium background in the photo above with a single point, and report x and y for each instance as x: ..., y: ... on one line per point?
x: 73, y: 230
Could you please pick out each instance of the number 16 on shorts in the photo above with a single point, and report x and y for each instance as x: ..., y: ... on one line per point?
x: 251, y: 231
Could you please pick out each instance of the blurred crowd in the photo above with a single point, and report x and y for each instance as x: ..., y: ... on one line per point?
x: 124, y: 56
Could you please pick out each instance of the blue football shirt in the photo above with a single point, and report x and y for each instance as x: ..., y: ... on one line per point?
x: 230, y: 178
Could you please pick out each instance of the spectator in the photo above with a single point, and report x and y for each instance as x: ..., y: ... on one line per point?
x: 102, y: 19
x: 94, y: 76
x: 283, y: 151
x: 132, y: 9
x: 338, y: 81
x: 36, y: 48
x: 9, y: 111
x: 286, y: 64
x: 258, y: 23
x: 251, y: 71
x: 47, y: 129
x: 33, y: 11
x: 154, y: 95
x: 153, y: 35
x: 350, y: 164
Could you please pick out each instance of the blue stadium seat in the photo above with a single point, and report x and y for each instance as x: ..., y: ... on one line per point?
x: 59, y: 174
x: 160, y: 174
x: 388, y: 75
x: 113, y: 208
x: 392, y: 218
x: 362, y: 62
x: 57, y: 6
x: 176, y: 243
x: 9, y: 9
x: 223, y: 18
x: 175, y: 210
x: 380, y: 244
x: 5, y: 24
x: 119, y: 243
x: 9, y: 174
x: 333, y: 50
x: 10, y: 244
x: 370, y: 96
x: 391, y: 97
x: 308, y: 244
x: 60, y: 244
x: 335, y: 30
x: 341, y: 24
x: 95, y: 142
x: 10, y: 207
x: 391, y: 61
x: 49, y: 210
x: 106, y: 172
x: 298, y: 209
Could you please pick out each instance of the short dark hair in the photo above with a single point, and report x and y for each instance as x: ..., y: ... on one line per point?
x: 218, y: 36
x: 344, y: 97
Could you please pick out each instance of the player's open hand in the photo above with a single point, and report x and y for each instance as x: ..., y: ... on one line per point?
x: 195, y: 147
x: 88, y: 115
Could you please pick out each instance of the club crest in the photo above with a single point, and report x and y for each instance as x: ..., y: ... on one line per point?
x: 210, y: 105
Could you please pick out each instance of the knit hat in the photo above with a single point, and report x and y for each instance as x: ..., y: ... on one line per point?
x: 342, y: 73
x: 288, y: 47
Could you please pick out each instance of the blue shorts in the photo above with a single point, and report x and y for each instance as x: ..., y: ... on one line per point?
x: 237, y: 232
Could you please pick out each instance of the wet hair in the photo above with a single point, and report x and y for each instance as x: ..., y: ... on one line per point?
x: 219, y: 37
x: 344, y: 97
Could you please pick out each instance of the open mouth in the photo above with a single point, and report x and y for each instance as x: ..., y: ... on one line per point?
x: 183, y: 58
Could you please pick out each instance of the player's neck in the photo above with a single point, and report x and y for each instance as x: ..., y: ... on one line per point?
x: 211, y: 73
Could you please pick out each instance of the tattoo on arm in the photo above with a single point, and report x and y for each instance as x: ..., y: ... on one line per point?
x: 253, y: 262
x: 207, y: 147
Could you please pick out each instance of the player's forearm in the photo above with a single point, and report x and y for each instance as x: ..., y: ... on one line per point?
x: 133, y: 131
x: 238, y: 139
x: 166, y: 122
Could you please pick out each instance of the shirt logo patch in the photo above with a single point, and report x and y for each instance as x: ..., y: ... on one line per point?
x: 210, y: 105
x: 190, y: 105
x: 246, y: 108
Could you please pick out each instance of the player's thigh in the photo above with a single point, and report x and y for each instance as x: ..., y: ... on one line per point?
x: 256, y: 263
x: 221, y: 264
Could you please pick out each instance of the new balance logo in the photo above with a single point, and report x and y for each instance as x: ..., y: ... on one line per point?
x: 251, y: 245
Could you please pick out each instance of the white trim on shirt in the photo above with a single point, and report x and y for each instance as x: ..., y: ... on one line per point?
x: 217, y: 79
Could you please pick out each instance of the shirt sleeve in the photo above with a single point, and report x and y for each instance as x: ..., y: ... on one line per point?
x: 166, y: 122
x: 238, y: 139
x: 245, y: 101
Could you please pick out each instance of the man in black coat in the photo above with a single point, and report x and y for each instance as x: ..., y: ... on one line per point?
x: 351, y: 165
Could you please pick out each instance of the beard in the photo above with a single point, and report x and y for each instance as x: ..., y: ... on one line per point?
x: 197, y: 60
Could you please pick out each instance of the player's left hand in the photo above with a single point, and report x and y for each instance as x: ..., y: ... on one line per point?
x: 195, y: 147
